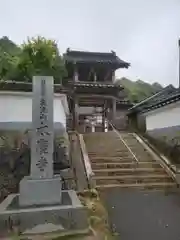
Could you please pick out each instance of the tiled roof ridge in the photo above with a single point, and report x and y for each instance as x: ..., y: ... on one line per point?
x: 168, y: 98
x: 158, y: 94
x: 96, y: 57
x: 91, y: 52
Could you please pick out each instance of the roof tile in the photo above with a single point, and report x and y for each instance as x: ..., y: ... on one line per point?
x: 95, y: 57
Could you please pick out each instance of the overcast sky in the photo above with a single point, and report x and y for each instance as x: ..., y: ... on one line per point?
x: 144, y: 33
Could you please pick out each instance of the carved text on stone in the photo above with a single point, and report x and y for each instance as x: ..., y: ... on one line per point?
x: 42, y: 142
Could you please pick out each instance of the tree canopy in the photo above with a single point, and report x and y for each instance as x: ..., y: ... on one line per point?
x: 138, y: 90
x: 36, y: 56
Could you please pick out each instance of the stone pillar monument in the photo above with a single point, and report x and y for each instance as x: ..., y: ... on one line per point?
x: 41, y: 187
x: 42, y: 206
x: 42, y: 128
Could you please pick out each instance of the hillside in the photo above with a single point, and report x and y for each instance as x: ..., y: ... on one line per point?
x: 9, y: 47
x: 138, y: 90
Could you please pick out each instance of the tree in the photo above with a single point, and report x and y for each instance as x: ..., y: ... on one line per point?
x: 9, y: 56
x: 40, y: 56
x: 8, y: 64
x: 138, y: 90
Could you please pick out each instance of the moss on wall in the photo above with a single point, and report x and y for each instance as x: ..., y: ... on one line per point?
x: 168, y: 145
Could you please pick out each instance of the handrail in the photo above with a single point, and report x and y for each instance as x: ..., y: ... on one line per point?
x: 85, y: 159
x: 87, y: 163
x: 129, y: 149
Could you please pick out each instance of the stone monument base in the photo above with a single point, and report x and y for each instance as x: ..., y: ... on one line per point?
x: 42, y: 191
x: 68, y: 216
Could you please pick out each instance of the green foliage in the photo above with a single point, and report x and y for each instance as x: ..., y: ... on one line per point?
x: 37, y: 56
x: 9, y: 47
x: 9, y: 53
x: 138, y: 90
x: 40, y: 56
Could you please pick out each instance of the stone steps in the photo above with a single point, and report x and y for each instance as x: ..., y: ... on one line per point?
x: 112, y: 159
x: 107, y: 165
x: 118, y: 159
x: 115, y: 166
x: 120, y: 152
x: 110, y: 154
x: 125, y: 171
x: 108, y: 158
x: 142, y: 186
x: 132, y: 179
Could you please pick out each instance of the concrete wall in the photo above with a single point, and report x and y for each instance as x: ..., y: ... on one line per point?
x: 16, y: 111
x: 16, y: 119
x: 164, y: 123
x: 85, y: 110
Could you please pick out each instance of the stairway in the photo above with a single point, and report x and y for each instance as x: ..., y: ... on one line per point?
x: 128, y: 165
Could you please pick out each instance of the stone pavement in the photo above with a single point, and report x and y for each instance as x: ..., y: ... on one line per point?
x: 143, y: 215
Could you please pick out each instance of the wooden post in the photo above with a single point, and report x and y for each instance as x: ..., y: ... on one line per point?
x: 92, y: 75
x: 179, y: 63
x: 76, y: 115
x: 106, y: 117
x: 92, y: 127
x: 95, y: 77
x: 113, y: 76
x: 108, y: 76
x: 76, y: 76
x: 113, y: 110
x: 103, y: 116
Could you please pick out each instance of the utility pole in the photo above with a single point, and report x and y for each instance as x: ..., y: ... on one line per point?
x: 179, y: 62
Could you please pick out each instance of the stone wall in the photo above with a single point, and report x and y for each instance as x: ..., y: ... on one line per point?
x: 14, y: 141
x: 15, y: 158
x: 169, y: 135
x: 167, y: 140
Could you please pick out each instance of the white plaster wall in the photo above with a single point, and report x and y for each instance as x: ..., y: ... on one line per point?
x: 88, y: 110
x: 85, y: 110
x: 163, y: 117
x: 16, y: 107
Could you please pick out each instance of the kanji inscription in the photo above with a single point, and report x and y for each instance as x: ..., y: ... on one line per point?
x: 42, y: 121
x: 42, y: 130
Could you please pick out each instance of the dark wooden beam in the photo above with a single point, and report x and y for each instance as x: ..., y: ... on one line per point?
x: 97, y: 96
